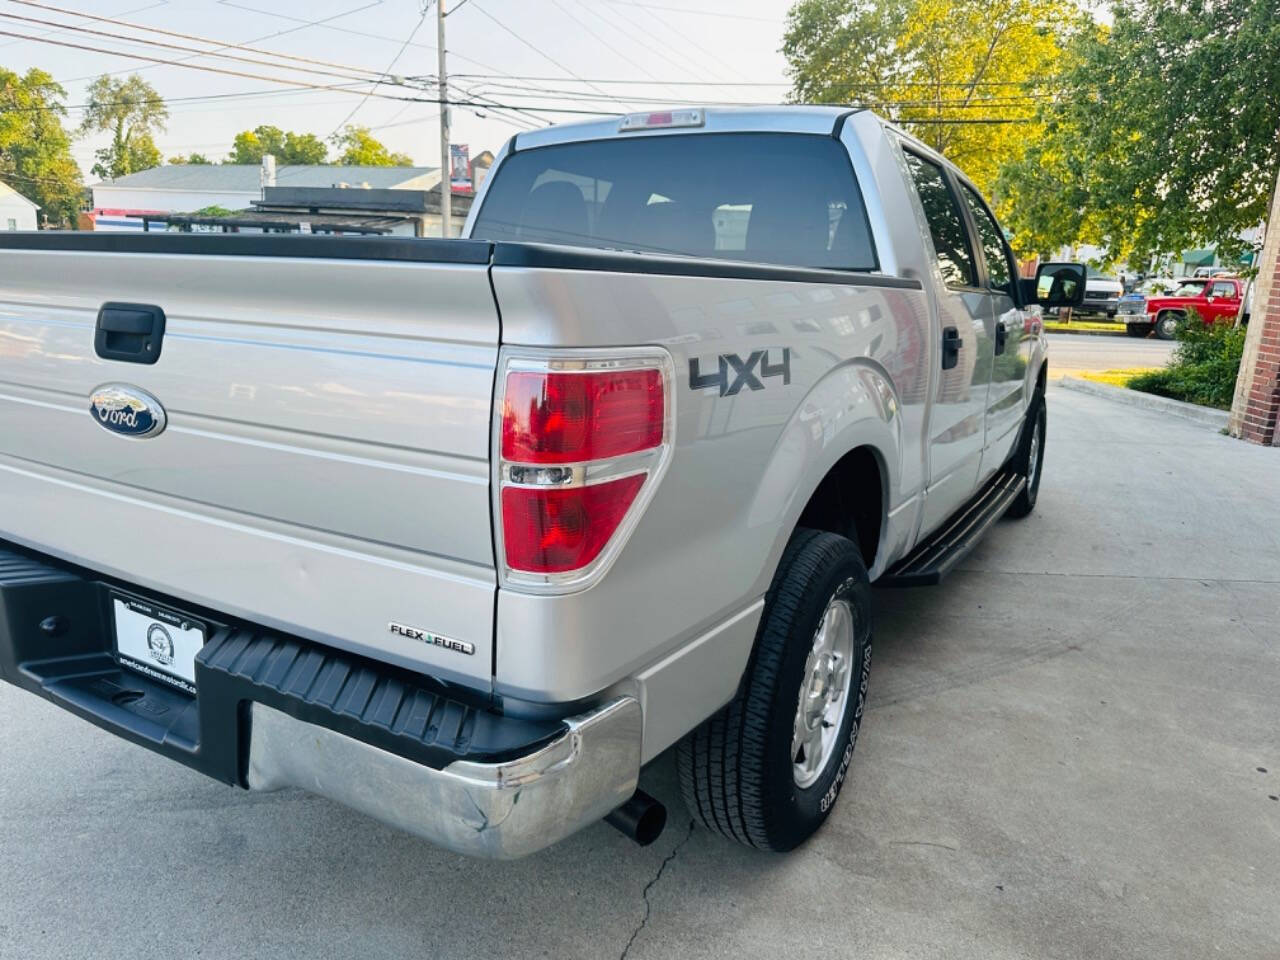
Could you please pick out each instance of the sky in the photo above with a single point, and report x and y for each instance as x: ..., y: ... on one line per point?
x: 611, y: 56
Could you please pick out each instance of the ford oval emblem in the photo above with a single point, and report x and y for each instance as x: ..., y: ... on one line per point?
x: 127, y: 410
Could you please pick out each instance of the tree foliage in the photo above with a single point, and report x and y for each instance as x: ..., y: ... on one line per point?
x: 131, y: 111
x: 358, y: 148
x: 35, y: 149
x: 943, y: 69
x: 194, y: 159
x: 1163, y: 134
x: 251, y: 146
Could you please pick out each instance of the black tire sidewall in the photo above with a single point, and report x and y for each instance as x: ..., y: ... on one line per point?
x: 792, y: 812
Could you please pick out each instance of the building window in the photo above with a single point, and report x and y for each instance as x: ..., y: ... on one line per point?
x: 13, y: 224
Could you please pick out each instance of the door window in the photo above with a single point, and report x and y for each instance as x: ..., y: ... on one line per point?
x: 994, y: 250
x: 946, y: 224
x: 1227, y: 290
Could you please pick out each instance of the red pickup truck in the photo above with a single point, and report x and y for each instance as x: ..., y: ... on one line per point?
x: 1213, y: 298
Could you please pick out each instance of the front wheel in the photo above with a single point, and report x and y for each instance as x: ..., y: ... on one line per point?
x: 1137, y: 329
x: 1029, y: 460
x: 1167, y: 326
x: 767, y: 769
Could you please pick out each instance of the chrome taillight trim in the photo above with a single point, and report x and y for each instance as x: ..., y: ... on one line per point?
x: 652, y: 462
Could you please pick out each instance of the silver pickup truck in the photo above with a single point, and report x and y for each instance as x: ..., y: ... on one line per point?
x: 462, y: 533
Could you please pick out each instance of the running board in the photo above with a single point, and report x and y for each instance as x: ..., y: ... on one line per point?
x: 937, y: 556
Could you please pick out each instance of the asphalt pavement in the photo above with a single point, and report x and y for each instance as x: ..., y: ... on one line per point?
x: 1071, y: 751
x: 1075, y: 353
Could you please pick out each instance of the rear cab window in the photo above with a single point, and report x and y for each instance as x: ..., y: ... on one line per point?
x: 780, y: 198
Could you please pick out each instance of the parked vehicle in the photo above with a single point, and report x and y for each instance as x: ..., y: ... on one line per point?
x: 1214, y: 299
x: 1102, y: 294
x: 461, y: 533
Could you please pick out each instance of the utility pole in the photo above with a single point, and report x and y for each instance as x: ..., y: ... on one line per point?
x: 446, y: 188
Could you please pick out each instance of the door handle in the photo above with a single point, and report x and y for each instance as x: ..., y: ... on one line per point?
x: 132, y: 332
x: 951, y: 344
x: 1002, y: 334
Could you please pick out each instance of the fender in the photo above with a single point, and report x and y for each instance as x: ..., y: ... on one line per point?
x: 853, y: 405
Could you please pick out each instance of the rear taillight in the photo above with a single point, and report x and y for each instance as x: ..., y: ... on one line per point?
x: 579, y: 441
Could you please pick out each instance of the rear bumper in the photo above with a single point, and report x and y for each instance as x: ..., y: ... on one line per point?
x: 272, y: 711
x: 496, y: 810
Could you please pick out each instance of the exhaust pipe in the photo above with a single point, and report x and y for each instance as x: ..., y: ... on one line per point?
x: 642, y: 818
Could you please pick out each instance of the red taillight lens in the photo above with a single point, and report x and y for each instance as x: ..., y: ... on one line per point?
x: 554, y: 417
x: 554, y: 530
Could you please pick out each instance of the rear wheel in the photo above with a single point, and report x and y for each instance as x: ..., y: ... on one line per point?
x: 1029, y: 460
x: 767, y: 769
x: 1167, y: 325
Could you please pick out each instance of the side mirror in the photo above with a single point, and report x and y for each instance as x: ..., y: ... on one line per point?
x: 1060, y: 284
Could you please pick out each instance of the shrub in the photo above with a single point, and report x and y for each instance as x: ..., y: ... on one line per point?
x: 1204, y: 366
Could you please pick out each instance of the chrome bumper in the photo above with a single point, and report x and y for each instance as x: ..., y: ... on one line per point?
x: 497, y: 810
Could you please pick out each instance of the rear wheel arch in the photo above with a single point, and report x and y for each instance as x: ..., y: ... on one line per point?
x: 851, y: 500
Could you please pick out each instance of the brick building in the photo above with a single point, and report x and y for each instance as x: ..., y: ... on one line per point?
x: 1257, y: 401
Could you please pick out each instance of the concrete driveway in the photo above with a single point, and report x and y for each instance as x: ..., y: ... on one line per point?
x: 1072, y: 750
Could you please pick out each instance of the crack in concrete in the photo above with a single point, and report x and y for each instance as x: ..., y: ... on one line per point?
x: 644, y: 921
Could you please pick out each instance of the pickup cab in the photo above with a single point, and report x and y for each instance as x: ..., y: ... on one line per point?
x: 1214, y: 299
x: 463, y: 533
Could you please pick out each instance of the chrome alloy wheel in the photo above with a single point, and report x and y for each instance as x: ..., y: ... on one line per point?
x: 1033, y: 456
x: 824, y: 693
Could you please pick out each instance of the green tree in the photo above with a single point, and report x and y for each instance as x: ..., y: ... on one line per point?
x: 35, y: 148
x: 1163, y: 134
x: 962, y: 75
x: 250, y: 146
x: 195, y: 159
x: 359, y: 149
x: 131, y: 111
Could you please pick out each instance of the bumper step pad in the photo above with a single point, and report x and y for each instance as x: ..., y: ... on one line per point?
x: 56, y: 641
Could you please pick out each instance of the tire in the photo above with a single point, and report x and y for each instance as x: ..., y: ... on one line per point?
x: 1111, y: 314
x: 1167, y: 325
x: 739, y: 770
x: 1137, y: 329
x: 1029, y: 459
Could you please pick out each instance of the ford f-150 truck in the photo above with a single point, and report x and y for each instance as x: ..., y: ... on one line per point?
x: 462, y: 533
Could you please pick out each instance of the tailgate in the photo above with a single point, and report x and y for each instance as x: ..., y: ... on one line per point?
x: 325, y: 465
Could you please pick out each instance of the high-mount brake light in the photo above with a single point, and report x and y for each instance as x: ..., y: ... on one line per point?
x: 579, y: 439
x: 662, y: 118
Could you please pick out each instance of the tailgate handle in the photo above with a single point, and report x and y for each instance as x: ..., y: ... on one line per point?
x: 132, y: 332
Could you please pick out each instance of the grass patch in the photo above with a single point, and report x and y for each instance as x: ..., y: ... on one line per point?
x: 1204, y: 367
x: 1116, y: 378
x: 1089, y: 326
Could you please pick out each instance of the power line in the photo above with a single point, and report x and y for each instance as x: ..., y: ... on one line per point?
x: 117, y: 22
x: 550, y: 59
x: 175, y: 46
x: 869, y: 84
x: 386, y: 72
x: 193, y: 66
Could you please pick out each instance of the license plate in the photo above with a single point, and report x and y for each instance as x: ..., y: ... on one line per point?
x: 157, y: 642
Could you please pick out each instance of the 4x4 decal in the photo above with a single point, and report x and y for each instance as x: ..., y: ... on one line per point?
x: 743, y: 372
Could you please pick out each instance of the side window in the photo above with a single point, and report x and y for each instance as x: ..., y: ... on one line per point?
x: 950, y: 239
x: 994, y: 251
x: 1224, y: 290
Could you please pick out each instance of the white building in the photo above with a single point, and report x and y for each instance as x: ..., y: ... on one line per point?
x: 16, y: 211
x: 185, y: 188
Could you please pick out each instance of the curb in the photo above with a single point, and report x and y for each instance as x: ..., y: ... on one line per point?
x: 1207, y: 416
x: 1088, y: 333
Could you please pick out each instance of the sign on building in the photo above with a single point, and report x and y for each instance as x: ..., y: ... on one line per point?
x: 459, y: 168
